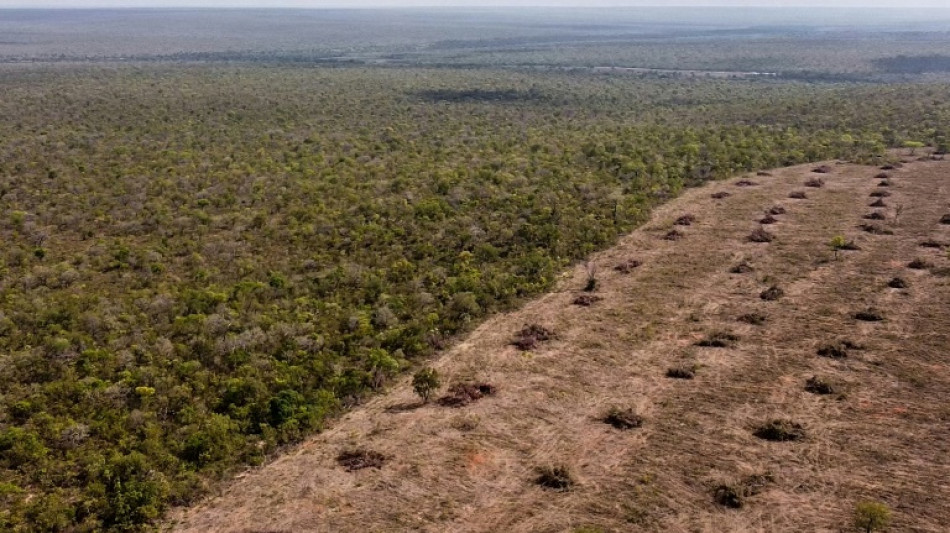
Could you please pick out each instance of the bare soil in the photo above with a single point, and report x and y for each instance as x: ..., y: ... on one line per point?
x: 485, y: 466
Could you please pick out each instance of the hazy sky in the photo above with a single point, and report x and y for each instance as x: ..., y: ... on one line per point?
x: 466, y: 3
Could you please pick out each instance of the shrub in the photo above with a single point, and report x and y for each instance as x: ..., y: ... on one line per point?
x: 685, y: 220
x: 798, y: 195
x: 681, y: 372
x: 833, y: 351
x: 756, y: 319
x: 919, y: 264
x: 768, y: 219
x: 823, y: 169
x: 869, y: 516
x: 772, y: 293
x: 530, y: 335
x: 674, y: 235
x: 780, y: 430
x: 898, y: 283
x: 720, y: 195
x: 815, y: 385
x: 623, y: 418
x: 627, y: 266
x: 869, y: 315
x: 763, y: 174
x: 876, y: 215
x: 760, y: 235
x: 945, y: 219
x: 557, y: 478
x: 885, y: 183
x: 742, y: 267
x: 875, y: 229
x: 591, y: 271
x: 930, y: 243
x: 878, y: 203
x: 776, y: 210
x: 586, y: 300
x: 882, y: 176
x: 734, y: 495
x: 462, y: 394
x: 719, y: 339
x: 880, y: 194
x: 425, y: 382
x: 815, y: 183
x: 746, y: 183
x: 353, y: 460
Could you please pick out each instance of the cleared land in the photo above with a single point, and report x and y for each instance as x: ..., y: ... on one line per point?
x: 882, y: 434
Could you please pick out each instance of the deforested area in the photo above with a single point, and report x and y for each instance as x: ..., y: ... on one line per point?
x: 216, y: 250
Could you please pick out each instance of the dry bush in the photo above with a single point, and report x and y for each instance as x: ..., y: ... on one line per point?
x: 674, y: 235
x: 772, y: 293
x: 586, y: 300
x: 875, y: 229
x: 776, y: 210
x: 685, y: 220
x: 780, y: 430
x: 882, y: 176
x: 945, y: 219
x: 760, y: 235
x: 898, y: 283
x: 815, y: 183
x: 931, y: 243
x: 876, y: 215
x: 884, y: 183
x: 815, y: 385
x: 763, y: 174
x: 353, y: 460
x: 628, y: 266
x: 557, y: 478
x: 823, y: 169
x: 798, y: 195
x: 869, y: 315
x: 622, y: 418
x: 768, y: 219
x: 530, y: 335
x: 892, y: 166
x: 746, y: 183
x: 720, y: 195
x: 719, y: 339
x: 919, y: 264
x: 734, y: 495
x: 878, y: 203
x: 681, y: 372
x: 880, y: 194
x: 756, y: 319
x: 836, y: 350
x: 462, y: 394
x: 742, y: 268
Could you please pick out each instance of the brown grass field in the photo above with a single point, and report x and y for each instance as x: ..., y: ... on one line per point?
x: 883, y: 434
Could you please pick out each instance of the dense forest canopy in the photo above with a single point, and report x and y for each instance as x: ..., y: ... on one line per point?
x: 204, y: 262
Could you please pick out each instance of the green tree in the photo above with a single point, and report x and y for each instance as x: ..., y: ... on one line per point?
x: 425, y: 382
x: 871, y: 516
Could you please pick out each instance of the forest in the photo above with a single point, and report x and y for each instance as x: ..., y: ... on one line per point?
x: 205, y: 262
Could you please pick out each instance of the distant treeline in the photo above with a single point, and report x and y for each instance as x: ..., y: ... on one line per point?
x: 914, y: 64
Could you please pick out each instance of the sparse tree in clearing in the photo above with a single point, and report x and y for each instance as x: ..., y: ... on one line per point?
x: 837, y: 243
x: 913, y: 146
x: 591, y: 269
x: 425, y: 382
x: 871, y: 516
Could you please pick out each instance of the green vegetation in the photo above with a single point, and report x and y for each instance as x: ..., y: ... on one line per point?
x: 425, y: 382
x: 871, y: 516
x: 203, y: 264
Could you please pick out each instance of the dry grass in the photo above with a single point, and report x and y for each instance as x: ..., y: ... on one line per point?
x: 476, y: 469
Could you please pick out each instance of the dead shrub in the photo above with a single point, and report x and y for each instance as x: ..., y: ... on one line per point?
x: 462, y: 394
x: 945, y: 219
x: 882, y: 176
x: 880, y: 194
x: 849, y: 246
x: 898, y: 283
x: 681, y: 372
x: 627, y: 266
x: 815, y: 183
x: 742, y: 268
x: 876, y: 215
x: 746, y: 183
x: 776, y: 210
x: 719, y: 339
x: 756, y: 319
x: 763, y: 174
x: 622, y: 418
x: 720, y: 195
x: 772, y: 293
x: 531, y: 335
x: 353, y: 460
x: 823, y: 169
x: 586, y: 300
x: 878, y: 203
x: 930, y: 243
x: 557, y: 478
x: 780, y: 430
x: 768, y: 219
x: 818, y: 386
x: 892, y: 166
x: 875, y: 229
x: 674, y: 235
x: 685, y: 220
x: 884, y: 183
x: 760, y: 235
x: 833, y: 351
x: 870, y: 314
x: 734, y: 495
x: 919, y: 264
x: 798, y: 195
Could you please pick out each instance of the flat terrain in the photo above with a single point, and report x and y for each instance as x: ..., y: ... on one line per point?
x: 883, y: 434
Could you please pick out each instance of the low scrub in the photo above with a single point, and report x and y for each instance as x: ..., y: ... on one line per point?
x: 815, y: 183
x: 462, y: 394
x: 880, y: 194
x: 878, y: 203
x: 823, y: 169
x: 756, y: 319
x: 776, y: 210
x: 870, y: 314
x: 919, y: 264
x: 768, y: 219
x: 720, y: 195
x: 558, y: 478
x: 798, y: 195
x: 719, y: 339
x: 623, y: 418
x: 685, y: 220
x: 746, y: 183
x: 742, y: 267
x: 353, y: 460
x: 898, y: 283
x: 876, y: 229
x: 628, y: 266
x: 674, y: 235
x: 772, y: 293
x: 760, y: 235
x: 818, y: 386
x: 531, y: 335
x: 780, y: 430
x: 876, y: 215
x: 734, y: 495
x: 586, y: 300
x: 681, y: 372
